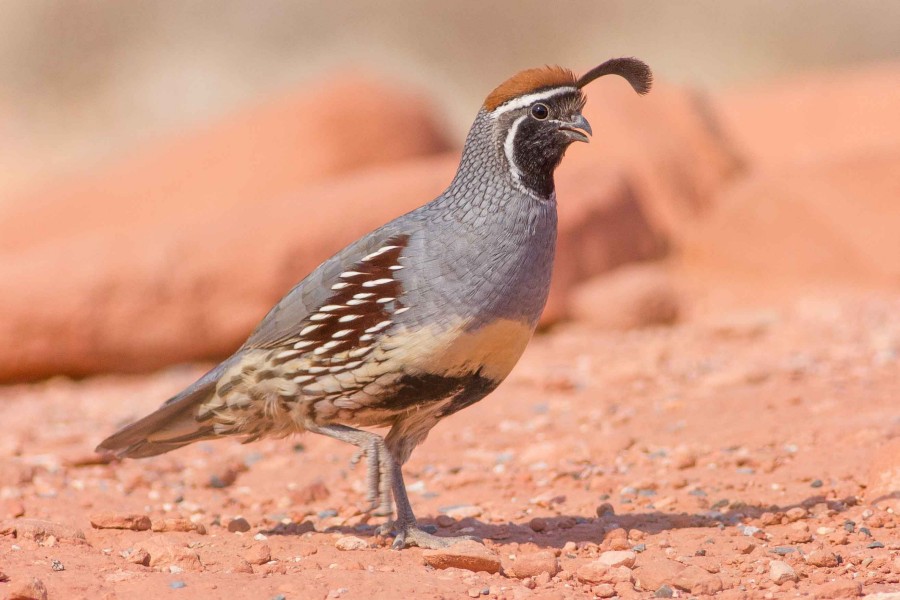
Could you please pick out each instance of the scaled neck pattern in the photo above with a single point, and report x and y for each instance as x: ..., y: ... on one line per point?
x: 488, y: 174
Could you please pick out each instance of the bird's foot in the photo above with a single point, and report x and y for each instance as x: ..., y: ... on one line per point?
x: 412, y: 535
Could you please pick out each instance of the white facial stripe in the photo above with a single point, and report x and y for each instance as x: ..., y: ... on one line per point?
x: 527, y: 100
x: 509, y: 149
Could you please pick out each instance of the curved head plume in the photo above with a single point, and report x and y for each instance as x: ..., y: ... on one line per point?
x: 531, y: 81
x: 634, y: 71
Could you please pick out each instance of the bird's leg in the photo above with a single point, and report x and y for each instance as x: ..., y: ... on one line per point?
x: 408, y: 532
x: 378, y: 471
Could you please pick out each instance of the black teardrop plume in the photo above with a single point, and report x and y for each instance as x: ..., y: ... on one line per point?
x: 636, y: 72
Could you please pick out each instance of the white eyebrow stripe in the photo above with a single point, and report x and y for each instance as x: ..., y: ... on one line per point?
x: 528, y: 99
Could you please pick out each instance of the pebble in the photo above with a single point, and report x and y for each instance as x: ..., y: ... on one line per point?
x: 822, y: 558
x: 780, y: 572
x: 606, y: 510
x: 604, y: 590
x: 618, y: 558
x: 164, y: 551
x: 238, y: 525
x: 351, y: 542
x: 258, y: 554
x: 132, y: 521
x: 184, y: 525
x: 138, y: 556
x: 796, y: 513
x: 177, y: 584
x: 532, y: 565
x: 445, y: 521
x: 538, y: 524
x: 698, y: 581
x: 824, y: 530
x: 463, y: 512
x: 664, y: 591
x: 594, y: 572
x: 55, y: 565
x: 658, y: 572
x: 41, y: 531
x: 467, y: 554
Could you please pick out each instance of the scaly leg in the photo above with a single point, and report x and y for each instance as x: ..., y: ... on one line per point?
x: 408, y: 532
x: 378, y: 473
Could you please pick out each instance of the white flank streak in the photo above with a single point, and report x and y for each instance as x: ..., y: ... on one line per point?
x: 303, y: 379
x: 385, y: 300
x: 320, y: 317
x: 353, y: 364
x: 529, y: 99
x: 308, y: 329
x: 401, y: 310
x: 357, y: 352
x: 348, y: 318
x: 317, y: 369
x: 377, y: 282
x: 364, y: 338
x: 337, y: 369
x: 347, y: 274
x: 303, y: 344
x: 356, y: 302
x: 287, y: 353
x: 379, y: 252
x: 364, y: 295
x: 378, y: 327
x: 341, y: 333
x: 331, y: 307
x: 341, y: 285
x: 395, y: 267
x: 509, y: 149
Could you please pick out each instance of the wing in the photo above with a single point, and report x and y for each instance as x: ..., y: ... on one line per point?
x: 373, y: 258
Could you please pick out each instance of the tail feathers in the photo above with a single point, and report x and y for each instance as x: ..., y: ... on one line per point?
x: 173, y: 425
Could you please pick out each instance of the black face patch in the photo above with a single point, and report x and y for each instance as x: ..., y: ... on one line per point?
x: 538, y: 145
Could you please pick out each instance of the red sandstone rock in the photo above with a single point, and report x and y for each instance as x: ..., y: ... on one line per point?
x: 630, y: 297
x: 652, y: 574
x: 466, y: 554
x: 822, y: 222
x: 166, y: 551
x: 668, y: 144
x: 814, y: 117
x: 135, y: 522
x: 254, y: 155
x: 532, y: 565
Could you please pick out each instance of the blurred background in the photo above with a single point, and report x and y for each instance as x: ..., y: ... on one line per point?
x: 170, y: 169
x: 83, y: 80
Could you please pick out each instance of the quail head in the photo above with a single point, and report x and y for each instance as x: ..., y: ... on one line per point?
x: 416, y: 320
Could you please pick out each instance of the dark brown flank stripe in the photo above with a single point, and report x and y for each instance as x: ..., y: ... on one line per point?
x: 341, y: 303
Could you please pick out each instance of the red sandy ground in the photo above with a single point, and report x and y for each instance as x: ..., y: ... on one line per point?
x: 751, y: 426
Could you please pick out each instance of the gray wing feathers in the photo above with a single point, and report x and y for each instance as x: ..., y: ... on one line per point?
x: 281, y: 323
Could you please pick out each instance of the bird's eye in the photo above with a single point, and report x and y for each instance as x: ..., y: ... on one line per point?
x: 540, y: 111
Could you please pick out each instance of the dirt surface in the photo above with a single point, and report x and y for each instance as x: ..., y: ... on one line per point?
x: 729, y: 454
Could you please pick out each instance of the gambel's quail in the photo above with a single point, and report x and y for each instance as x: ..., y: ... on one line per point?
x: 413, y: 322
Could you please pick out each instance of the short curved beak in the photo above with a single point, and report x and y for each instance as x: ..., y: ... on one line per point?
x: 577, y: 130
